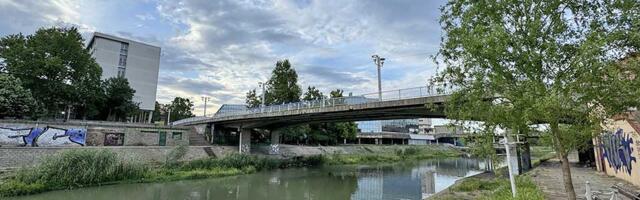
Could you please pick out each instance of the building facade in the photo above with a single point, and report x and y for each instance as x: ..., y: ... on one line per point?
x: 136, y: 61
x: 616, y: 149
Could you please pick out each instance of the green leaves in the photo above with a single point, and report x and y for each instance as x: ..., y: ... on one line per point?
x: 567, y: 64
x: 118, y: 98
x: 15, y: 100
x: 54, y: 65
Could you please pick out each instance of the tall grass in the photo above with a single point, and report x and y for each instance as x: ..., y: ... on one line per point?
x: 72, y: 169
x: 240, y: 161
x: 78, y: 168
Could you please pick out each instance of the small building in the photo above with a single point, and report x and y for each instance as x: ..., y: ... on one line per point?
x: 136, y: 61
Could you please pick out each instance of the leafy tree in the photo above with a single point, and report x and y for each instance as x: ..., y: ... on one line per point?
x: 118, y: 99
x: 312, y: 94
x: 180, y: 109
x: 345, y: 130
x: 15, y: 101
x: 517, y: 63
x: 54, y: 64
x: 283, y: 85
x: 252, y: 99
x: 159, y: 112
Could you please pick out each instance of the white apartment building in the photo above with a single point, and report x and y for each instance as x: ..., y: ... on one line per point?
x: 136, y: 61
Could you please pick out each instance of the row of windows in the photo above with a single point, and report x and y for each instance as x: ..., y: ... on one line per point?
x: 122, y: 63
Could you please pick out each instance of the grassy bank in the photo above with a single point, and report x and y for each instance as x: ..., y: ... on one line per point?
x: 403, y: 154
x: 493, y: 189
x: 83, y: 168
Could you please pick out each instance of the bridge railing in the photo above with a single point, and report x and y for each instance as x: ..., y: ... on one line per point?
x: 407, y: 93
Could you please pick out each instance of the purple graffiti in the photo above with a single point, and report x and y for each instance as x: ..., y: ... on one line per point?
x: 48, y: 136
x: 617, y: 148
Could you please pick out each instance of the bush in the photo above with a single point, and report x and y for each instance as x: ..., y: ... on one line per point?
x: 526, y: 190
x: 15, y: 188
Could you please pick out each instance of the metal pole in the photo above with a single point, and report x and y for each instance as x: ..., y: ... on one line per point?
x: 511, y: 178
x: 379, y: 62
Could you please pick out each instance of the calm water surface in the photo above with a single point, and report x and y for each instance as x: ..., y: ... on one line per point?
x: 364, y: 182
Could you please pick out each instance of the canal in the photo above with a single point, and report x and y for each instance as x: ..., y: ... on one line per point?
x: 414, y: 180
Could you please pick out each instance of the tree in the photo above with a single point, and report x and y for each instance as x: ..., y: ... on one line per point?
x: 252, y: 99
x: 118, y: 99
x: 312, y: 94
x: 180, y: 108
x: 159, y: 112
x: 345, y: 130
x: 283, y: 87
x: 518, y: 63
x: 15, y: 101
x: 54, y: 65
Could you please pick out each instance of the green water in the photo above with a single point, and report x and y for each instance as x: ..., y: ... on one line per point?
x: 364, y: 182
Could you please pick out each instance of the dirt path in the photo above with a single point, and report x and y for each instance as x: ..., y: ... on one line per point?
x: 548, y: 177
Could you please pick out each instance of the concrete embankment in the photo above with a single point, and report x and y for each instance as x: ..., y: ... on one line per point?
x: 16, y: 157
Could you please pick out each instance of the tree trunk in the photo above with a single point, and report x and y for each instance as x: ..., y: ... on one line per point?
x: 564, y: 161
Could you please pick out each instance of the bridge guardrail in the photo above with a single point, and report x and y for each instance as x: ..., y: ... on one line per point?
x: 407, y: 93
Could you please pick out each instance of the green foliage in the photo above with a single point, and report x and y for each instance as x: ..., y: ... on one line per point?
x: 526, y: 190
x: 176, y: 154
x: 15, y: 100
x: 16, y: 188
x: 475, y: 184
x: 252, y: 100
x: 312, y: 93
x: 513, y: 67
x: 180, y: 108
x: 79, y: 168
x: 283, y: 87
x: 54, y: 64
x: 118, y: 98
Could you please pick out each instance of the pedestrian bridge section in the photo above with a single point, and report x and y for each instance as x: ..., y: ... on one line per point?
x: 396, y: 104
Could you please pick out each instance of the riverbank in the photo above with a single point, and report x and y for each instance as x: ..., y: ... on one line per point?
x: 83, y: 168
x: 490, y: 185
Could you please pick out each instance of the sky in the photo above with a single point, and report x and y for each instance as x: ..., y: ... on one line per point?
x: 223, y: 48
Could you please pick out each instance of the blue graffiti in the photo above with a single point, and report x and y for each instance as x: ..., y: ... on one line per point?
x: 617, y: 148
x: 47, y: 136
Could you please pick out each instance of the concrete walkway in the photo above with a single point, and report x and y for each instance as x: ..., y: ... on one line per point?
x: 548, y: 176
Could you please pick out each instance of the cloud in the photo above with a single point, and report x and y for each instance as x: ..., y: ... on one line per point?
x: 223, y: 48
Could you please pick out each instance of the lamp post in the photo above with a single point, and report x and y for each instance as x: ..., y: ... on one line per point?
x: 262, y: 85
x: 205, y: 99
x: 379, y: 62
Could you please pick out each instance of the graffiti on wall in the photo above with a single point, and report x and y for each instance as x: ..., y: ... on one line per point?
x: 42, y: 137
x: 617, y: 149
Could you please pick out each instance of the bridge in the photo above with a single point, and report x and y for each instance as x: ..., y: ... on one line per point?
x: 395, y: 104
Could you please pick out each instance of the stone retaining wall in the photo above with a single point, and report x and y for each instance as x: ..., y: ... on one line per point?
x: 14, y: 157
x: 98, y: 133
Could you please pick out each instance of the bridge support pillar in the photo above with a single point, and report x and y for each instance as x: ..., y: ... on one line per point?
x: 245, y: 141
x: 377, y: 141
x: 275, y: 143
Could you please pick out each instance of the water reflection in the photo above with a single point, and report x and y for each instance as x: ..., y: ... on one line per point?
x: 397, y: 181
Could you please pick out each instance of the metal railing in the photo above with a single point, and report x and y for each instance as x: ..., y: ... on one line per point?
x: 401, y: 94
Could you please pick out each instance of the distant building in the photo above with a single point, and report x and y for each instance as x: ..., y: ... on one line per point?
x: 136, y: 61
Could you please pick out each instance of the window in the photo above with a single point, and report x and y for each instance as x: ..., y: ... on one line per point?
x: 124, y: 48
x: 176, y: 136
x: 121, y: 71
x: 123, y: 60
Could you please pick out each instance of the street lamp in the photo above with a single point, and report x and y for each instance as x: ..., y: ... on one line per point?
x: 379, y: 62
x: 262, y: 85
x: 205, y: 99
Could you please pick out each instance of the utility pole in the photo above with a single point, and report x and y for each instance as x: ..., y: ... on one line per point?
x: 169, y: 117
x: 205, y: 99
x: 379, y: 62
x: 262, y: 85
